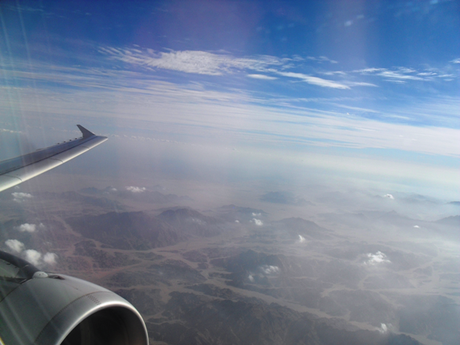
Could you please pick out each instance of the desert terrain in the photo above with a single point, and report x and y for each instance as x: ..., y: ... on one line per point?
x: 232, y: 274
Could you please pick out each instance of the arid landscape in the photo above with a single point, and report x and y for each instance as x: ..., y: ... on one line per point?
x: 238, y: 275
x: 275, y: 172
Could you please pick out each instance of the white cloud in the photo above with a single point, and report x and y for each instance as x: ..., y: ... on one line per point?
x: 261, y: 76
x: 377, y: 258
x: 135, y: 189
x: 301, y: 239
x: 50, y: 258
x: 237, y: 221
x: 456, y: 60
x: 321, y: 59
x: 15, y: 245
x: 256, y: 214
x: 269, y: 269
x: 358, y: 83
x: 20, y: 196
x: 312, y: 80
x: 417, y: 226
x: 232, y: 111
x: 190, y: 61
x: 32, y: 256
x: 397, y: 75
x: 201, y: 62
x: 403, y: 74
x: 389, y: 196
x: 26, y: 227
x: 369, y: 70
x: 251, y: 278
x: 383, y: 328
x: 257, y: 222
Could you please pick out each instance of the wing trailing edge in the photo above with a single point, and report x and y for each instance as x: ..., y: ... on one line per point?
x: 17, y: 170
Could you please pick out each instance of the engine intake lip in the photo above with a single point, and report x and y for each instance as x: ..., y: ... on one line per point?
x: 68, y: 310
x: 100, y: 317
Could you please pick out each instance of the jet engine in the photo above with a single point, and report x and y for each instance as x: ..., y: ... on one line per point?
x: 41, y: 308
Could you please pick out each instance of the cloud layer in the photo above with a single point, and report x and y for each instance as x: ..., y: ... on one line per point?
x: 201, y: 62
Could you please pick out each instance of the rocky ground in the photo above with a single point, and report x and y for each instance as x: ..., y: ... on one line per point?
x: 232, y: 275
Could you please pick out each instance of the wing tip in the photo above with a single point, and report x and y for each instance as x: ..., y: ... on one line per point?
x: 86, y: 133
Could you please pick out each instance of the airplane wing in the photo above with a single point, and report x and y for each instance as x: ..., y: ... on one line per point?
x: 54, y: 309
x: 17, y: 170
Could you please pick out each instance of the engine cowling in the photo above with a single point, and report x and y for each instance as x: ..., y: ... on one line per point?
x: 48, y: 309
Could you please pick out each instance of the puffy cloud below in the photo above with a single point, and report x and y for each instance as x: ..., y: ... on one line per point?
x: 377, y: 258
x: 20, y: 196
x: 15, y: 245
x: 383, y: 328
x: 301, y: 239
x: 269, y: 269
x: 135, y: 189
x: 50, y: 258
x: 26, y: 227
x: 32, y: 256
x: 257, y: 222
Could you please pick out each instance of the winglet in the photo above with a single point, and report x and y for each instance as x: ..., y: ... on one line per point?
x: 85, y: 132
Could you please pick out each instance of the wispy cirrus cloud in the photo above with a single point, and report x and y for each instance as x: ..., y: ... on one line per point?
x: 404, y: 74
x: 189, y: 61
x: 321, y: 59
x: 261, y: 76
x: 400, y: 74
x: 313, y: 80
x: 359, y: 83
x: 201, y: 62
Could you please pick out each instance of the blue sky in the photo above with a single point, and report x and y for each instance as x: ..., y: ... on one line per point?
x: 374, y: 81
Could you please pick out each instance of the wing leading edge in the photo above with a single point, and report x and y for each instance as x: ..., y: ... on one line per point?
x: 17, y: 170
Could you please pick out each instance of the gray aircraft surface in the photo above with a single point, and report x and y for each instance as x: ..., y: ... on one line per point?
x: 41, y: 308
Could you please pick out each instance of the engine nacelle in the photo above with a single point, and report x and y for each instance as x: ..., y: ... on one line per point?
x: 48, y: 309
